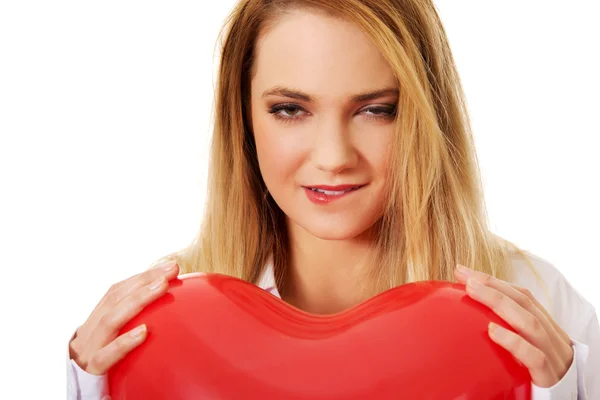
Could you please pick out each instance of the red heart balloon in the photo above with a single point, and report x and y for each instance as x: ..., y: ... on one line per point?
x: 218, y: 337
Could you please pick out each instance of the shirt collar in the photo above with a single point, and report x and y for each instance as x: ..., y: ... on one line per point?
x: 267, y: 279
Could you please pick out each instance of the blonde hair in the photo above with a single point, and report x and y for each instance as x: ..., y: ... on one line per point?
x: 435, y: 215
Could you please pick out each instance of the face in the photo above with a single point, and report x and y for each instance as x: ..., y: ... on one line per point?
x: 323, y: 103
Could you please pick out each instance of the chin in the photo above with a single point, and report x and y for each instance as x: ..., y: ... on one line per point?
x: 331, y: 231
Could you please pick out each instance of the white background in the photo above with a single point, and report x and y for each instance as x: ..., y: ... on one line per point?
x: 104, y: 120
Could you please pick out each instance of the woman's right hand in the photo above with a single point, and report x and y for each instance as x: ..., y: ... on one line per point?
x: 97, y: 345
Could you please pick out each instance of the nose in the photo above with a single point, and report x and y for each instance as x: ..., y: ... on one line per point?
x: 333, y: 149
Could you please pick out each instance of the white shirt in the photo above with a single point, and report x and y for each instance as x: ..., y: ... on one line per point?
x: 567, y: 307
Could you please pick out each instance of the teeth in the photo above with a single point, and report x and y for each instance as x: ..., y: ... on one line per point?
x: 331, y: 192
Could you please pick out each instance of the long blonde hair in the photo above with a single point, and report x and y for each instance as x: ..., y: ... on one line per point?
x: 435, y: 215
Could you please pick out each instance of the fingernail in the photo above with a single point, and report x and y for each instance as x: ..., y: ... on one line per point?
x: 157, y: 284
x: 138, y: 332
x: 494, y: 329
x: 463, y: 269
x: 169, y: 266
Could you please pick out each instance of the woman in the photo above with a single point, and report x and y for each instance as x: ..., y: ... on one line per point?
x: 342, y: 165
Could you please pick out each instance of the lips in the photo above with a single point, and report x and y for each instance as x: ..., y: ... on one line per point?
x: 325, y: 194
x: 338, y: 188
x: 333, y: 192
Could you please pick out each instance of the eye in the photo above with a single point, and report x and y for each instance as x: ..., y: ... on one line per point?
x: 387, y: 112
x: 286, y: 112
x: 290, y: 112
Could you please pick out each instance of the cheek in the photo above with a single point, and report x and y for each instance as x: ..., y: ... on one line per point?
x: 280, y: 152
x: 376, y: 152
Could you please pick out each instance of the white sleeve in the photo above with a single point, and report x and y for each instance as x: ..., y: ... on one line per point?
x: 82, y: 385
x: 588, y: 361
x: 582, y: 380
x: 567, y: 387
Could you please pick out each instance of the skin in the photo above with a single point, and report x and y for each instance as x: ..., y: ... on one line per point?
x: 330, y: 139
x: 538, y: 343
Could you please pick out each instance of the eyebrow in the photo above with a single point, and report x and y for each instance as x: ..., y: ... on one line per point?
x: 298, y: 95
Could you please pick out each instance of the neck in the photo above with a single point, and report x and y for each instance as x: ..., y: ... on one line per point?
x: 326, y: 276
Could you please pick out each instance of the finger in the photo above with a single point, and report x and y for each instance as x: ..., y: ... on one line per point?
x: 525, y: 323
x: 120, y: 291
x: 561, y: 351
x: 503, y: 287
x: 560, y: 339
x: 510, y: 311
x: 112, y: 353
x: 539, y: 366
x: 113, y: 321
x: 526, y: 300
x: 168, y: 271
x: 564, y: 336
x: 129, y: 285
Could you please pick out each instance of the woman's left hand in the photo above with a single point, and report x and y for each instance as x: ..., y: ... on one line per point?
x: 539, y: 344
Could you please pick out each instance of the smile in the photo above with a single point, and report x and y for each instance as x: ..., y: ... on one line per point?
x: 327, y: 194
x: 332, y: 192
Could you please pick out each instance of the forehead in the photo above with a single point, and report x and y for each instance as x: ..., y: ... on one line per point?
x: 319, y: 54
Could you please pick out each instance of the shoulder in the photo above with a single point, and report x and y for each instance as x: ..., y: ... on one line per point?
x: 550, y: 287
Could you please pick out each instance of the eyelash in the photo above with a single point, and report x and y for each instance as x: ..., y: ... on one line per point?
x: 384, y: 112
